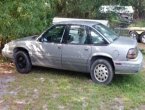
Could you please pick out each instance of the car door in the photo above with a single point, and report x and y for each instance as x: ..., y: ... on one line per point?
x: 49, y: 47
x: 75, y: 50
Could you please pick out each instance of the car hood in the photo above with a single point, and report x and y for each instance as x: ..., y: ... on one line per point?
x: 28, y: 38
x: 126, y: 41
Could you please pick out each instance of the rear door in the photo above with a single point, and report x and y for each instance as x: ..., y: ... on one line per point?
x: 76, y: 49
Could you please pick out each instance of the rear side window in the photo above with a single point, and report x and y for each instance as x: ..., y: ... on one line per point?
x: 96, y: 38
x: 107, y: 32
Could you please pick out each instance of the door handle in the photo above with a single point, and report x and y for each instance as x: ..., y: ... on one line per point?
x: 59, y: 47
x: 86, y: 49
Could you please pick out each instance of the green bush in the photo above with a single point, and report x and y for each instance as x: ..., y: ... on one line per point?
x: 23, y: 18
x: 138, y: 23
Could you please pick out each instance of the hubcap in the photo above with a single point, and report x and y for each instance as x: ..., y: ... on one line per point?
x: 143, y: 38
x: 133, y: 35
x: 101, y: 72
x: 21, y: 61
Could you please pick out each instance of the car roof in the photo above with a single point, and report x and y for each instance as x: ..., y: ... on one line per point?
x: 77, y: 22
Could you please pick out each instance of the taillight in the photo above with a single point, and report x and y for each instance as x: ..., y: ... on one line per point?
x: 132, y: 53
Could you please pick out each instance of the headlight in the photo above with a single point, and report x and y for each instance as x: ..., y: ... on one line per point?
x: 6, y: 46
x: 9, y: 46
x: 132, y: 53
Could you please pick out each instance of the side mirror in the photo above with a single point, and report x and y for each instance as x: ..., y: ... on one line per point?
x: 42, y: 40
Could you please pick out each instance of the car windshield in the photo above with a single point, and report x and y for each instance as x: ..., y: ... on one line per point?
x: 107, y: 32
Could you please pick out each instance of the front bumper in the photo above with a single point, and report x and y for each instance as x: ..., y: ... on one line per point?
x: 130, y: 66
x: 6, y: 52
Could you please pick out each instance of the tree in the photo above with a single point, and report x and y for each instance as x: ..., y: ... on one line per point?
x: 23, y: 18
x: 27, y: 17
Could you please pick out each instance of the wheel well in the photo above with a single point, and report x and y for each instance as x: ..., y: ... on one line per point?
x: 103, y: 57
x: 20, y: 49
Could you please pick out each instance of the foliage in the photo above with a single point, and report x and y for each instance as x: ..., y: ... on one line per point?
x: 138, y: 23
x: 25, y: 17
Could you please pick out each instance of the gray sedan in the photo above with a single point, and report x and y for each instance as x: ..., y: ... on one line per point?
x: 82, y: 46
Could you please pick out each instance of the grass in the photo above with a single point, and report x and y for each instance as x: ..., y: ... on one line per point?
x: 143, y: 52
x: 138, y: 23
x: 74, y: 91
x: 65, y: 90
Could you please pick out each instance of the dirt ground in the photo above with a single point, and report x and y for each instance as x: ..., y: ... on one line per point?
x: 142, y: 46
x: 6, y: 68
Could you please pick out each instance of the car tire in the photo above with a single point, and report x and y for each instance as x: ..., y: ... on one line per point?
x: 134, y: 34
x: 142, y: 38
x: 22, y: 62
x: 102, y: 72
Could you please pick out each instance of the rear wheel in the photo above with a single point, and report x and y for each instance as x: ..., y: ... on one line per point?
x: 102, y: 72
x: 142, y: 38
x: 22, y: 62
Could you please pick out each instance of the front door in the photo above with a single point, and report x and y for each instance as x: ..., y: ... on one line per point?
x: 75, y: 50
x: 50, y: 47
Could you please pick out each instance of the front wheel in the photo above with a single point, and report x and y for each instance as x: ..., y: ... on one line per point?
x: 22, y: 62
x: 102, y: 72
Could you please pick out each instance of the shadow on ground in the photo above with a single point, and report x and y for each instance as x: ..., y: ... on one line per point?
x: 58, y: 72
x: 117, y: 80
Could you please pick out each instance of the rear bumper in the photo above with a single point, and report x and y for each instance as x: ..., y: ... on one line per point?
x: 129, y: 67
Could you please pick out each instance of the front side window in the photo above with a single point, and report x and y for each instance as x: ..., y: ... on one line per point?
x: 53, y: 34
x: 77, y: 35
